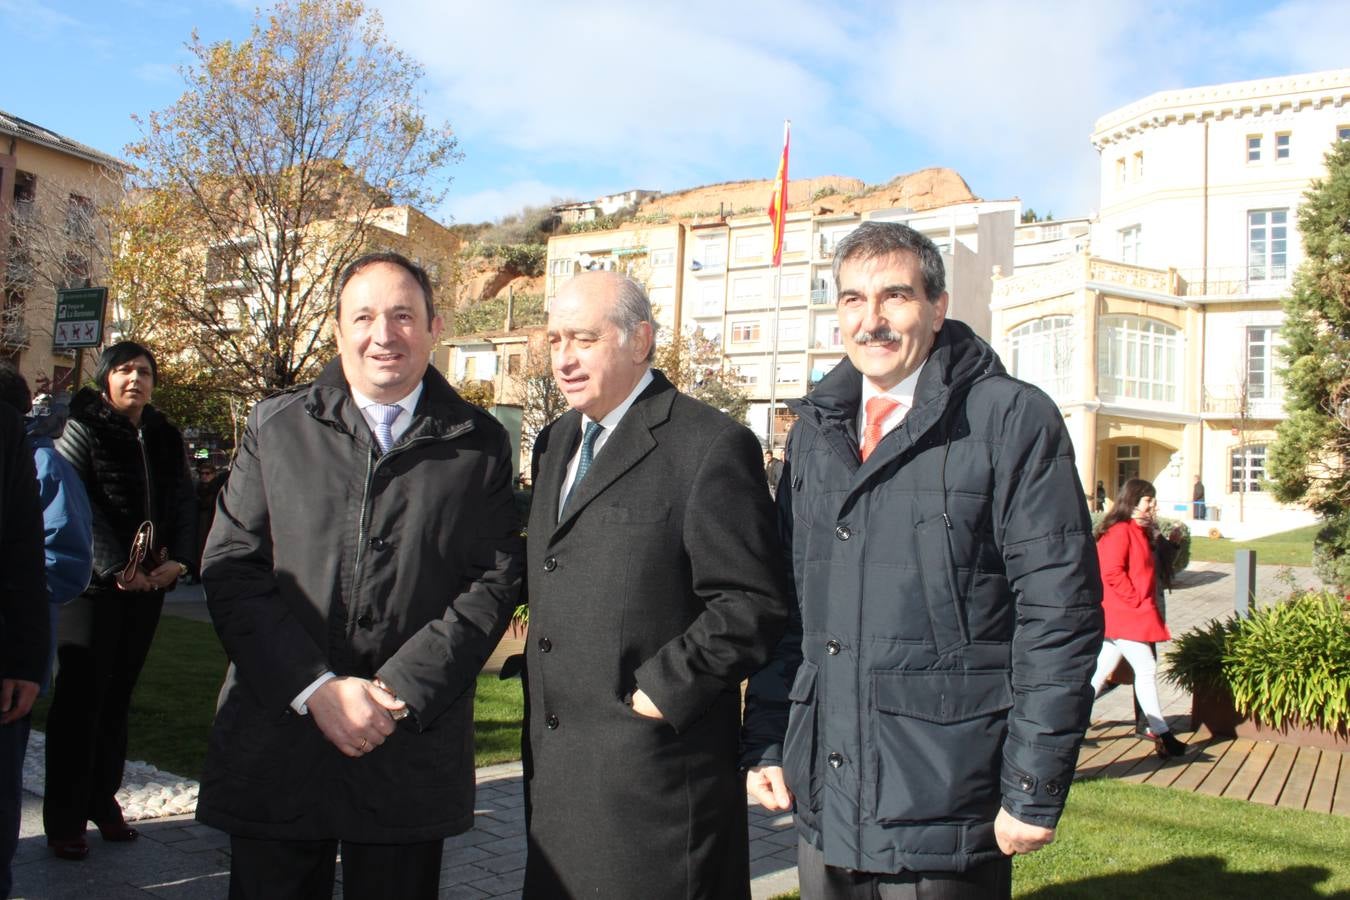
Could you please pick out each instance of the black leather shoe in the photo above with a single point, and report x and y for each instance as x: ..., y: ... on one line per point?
x: 118, y: 832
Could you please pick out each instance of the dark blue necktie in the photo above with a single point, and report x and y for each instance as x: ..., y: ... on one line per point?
x: 588, y: 439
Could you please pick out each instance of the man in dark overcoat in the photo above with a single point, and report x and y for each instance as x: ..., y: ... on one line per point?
x: 922, y: 716
x: 655, y: 588
x: 365, y: 559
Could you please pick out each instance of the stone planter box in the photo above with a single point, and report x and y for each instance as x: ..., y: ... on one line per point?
x: 1215, y: 711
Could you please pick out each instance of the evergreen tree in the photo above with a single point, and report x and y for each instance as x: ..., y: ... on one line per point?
x: 1310, y: 459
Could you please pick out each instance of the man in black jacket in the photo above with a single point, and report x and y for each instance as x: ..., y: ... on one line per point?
x: 25, y: 628
x: 364, y: 561
x: 925, y: 710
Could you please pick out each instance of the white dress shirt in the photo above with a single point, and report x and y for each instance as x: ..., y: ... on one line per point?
x: 609, y: 423
x: 399, y: 425
x: 903, y: 392
x: 397, y: 428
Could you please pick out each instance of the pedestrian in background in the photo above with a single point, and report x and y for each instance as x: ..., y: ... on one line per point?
x: 1130, y: 587
x: 133, y: 464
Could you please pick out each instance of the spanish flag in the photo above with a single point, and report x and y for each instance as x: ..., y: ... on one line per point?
x: 779, y: 203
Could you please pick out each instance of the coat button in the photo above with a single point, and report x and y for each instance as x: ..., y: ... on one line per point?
x: 551, y: 722
x: 379, y: 543
x: 365, y: 620
x: 545, y: 644
x: 550, y: 564
x: 835, y: 760
x: 843, y: 533
x: 1054, y: 788
x: 1027, y: 783
x: 832, y: 648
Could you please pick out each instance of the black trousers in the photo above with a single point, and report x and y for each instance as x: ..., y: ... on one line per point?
x: 991, y: 881
x: 87, y: 722
x: 304, y: 870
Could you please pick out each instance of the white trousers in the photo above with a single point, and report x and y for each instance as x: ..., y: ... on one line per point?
x: 1140, y: 657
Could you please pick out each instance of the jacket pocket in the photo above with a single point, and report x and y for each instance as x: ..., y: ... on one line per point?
x: 800, y: 743
x: 946, y: 611
x: 937, y: 744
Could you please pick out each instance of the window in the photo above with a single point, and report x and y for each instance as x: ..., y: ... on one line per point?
x: 747, y: 375
x: 1138, y: 358
x: 1248, y: 468
x: 80, y: 218
x: 1042, y: 352
x: 745, y: 331
x: 789, y: 372
x: 827, y: 334
x: 748, y: 290
x: 795, y: 241
x: 1127, y: 464
x: 1343, y: 133
x: 1253, y: 148
x: 1260, y: 356
x: 1282, y: 145
x: 1120, y: 170
x: 1267, y: 244
x: 1129, y: 244
x: 663, y: 258
x: 1139, y: 166
x: 74, y: 270
x: 711, y: 254
x: 513, y: 364
x: 791, y: 331
x: 794, y: 285
x: 560, y: 267
x: 751, y: 247
x: 710, y: 299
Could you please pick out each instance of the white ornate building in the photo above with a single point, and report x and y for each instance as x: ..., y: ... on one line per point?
x: 1160, y: 345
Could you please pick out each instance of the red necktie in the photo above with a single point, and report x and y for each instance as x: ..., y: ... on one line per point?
x: 878, y: 408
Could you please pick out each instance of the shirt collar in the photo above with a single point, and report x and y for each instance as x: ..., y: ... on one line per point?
x: 611, y: 420
x: 903, y: 392
x: 409, y: 402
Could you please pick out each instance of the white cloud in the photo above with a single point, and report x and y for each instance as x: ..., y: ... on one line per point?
x: 491, y: 204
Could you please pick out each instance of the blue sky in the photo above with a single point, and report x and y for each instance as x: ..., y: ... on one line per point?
x: 578, y: 99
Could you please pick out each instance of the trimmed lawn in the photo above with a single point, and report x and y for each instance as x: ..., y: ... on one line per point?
x: 1120, y: 841
x: 1288, y: 548
x: 175, y: 701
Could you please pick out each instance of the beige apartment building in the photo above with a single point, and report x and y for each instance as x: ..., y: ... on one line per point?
x: 1160, y: 344
x: 52, y: 190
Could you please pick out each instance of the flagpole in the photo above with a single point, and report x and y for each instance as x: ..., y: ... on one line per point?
x: 780, y: 235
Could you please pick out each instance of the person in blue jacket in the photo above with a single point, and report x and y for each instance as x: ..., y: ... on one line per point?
x: 68, y: 546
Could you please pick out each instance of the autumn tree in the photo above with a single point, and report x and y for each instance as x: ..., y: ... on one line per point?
x: 1310, y: 459
x: 693, y: 363
x: 262, y: 182
x: 542, y: 402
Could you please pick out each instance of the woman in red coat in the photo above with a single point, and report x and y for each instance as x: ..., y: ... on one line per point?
x: 1129, y: 599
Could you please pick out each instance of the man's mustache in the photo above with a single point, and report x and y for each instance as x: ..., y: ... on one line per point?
x: 880, y: 336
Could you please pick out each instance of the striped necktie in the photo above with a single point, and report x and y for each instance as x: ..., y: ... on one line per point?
x: 384, y: 415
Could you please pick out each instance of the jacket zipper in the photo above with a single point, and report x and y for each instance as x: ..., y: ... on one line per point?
x: 145, y: 467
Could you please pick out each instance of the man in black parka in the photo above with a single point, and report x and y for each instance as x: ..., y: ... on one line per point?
x: 655, y: 587
x: 364, y: 561
x: 925, y: 709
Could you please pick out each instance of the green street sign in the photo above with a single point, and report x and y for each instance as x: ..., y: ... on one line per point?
x: 79, y: 318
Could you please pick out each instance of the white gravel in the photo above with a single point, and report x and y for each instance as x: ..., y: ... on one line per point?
x: 147, y: 792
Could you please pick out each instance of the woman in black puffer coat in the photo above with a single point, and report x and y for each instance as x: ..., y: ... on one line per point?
x: 134, y: 467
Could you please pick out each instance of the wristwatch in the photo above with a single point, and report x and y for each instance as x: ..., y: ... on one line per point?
x: 182, y: 569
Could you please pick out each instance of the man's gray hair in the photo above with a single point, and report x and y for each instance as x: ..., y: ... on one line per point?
x: 631, y: 308
x: 875, y: 239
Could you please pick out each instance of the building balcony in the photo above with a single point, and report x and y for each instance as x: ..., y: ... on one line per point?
x: 822, y: 296
x: 1235, y: 281
x: 1229, y: 403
